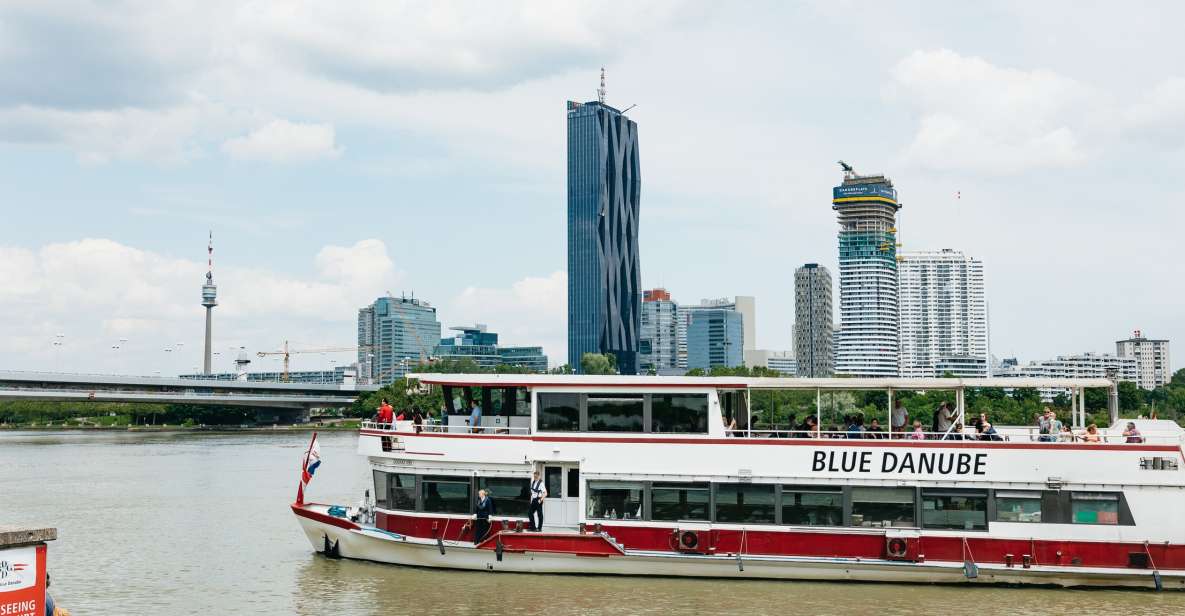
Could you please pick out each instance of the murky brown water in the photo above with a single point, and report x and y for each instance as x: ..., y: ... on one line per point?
x: 199, y: 524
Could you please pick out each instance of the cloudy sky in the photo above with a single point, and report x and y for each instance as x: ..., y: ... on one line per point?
x: 339, y: 151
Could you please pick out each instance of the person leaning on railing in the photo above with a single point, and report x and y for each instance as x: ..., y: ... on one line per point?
x: 1133, y: 434
x: 1092, y: 434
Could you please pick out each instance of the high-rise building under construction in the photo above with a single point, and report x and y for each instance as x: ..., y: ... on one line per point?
x: 867, y: 343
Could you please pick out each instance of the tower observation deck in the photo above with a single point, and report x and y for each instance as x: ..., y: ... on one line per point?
x: 867, y: 344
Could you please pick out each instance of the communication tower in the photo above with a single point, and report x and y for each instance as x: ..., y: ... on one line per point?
x: 209, y: 300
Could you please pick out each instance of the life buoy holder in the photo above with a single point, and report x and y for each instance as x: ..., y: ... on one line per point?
x: 688, y: 540
x: 897, y: 547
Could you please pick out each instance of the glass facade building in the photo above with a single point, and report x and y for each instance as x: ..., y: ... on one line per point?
x: 658, y: 348
x: 476, y: 343
x: 715, y: 337
x: 395, y: 334
x: 867, y: 344
x: 604, y: 278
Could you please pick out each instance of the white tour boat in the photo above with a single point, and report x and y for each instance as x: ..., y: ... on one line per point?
x: 644, y: 477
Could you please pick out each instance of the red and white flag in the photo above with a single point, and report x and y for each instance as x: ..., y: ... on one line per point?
x: 312, y: 460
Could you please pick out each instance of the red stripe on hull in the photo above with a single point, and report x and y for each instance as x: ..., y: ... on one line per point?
x: 823, y: 544
x: 324, y: 519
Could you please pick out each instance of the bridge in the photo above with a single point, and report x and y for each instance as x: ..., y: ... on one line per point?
x: 291, y: 399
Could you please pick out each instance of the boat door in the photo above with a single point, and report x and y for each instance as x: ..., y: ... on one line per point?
x: 562, y: 505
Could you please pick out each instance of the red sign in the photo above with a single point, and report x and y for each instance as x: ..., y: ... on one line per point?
x: 22, y: 581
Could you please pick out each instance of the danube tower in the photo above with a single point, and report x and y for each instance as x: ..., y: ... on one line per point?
x: 867, y: 344
x: 209, y: 300
x: 604, y: 279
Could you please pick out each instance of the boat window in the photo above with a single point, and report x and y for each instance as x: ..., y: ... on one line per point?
x: 1094, y: 507
x: 745, y: 502
x: 512, y: 495
x: 812, y: 506
x: 882, y: 507
x: 680, y: 501
x: 402, y: 491
x: 616, y: 412
x: 446, y: 494
x: 553, y: 481
x: 685, y: 413
x: 573, y: 483
x: 559, y: 412
x: 1018, y: 506
x: 614, y: 500
x: 954, y: 509
x: 381, y: 488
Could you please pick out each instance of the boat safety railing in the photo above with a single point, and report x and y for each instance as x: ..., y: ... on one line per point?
x: 437, y: 428
x: 1021, y: 434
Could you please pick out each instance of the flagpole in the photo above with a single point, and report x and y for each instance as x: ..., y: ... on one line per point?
x: 304, y: 467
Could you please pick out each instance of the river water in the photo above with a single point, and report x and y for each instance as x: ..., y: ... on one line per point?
x: 191, y: 523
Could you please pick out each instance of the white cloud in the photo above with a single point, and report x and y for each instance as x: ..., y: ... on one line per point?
x: 1160, y: 115
x: 977, y: 116
x: 98, y: 291
x: 281, y: 141
x: 531, y: 312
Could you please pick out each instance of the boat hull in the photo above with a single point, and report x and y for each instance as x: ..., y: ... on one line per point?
x: 349, y: 540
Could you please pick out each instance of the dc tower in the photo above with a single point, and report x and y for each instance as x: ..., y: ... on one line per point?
x: 209, y: 300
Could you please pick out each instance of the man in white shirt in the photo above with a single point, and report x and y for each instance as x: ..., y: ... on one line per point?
x: 538, y: 493
x: 900, y: 421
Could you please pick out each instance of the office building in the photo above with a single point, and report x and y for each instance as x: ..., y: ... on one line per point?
x: 715, y: 337
x: 743, y: 305
x: 868, y: 343
x: 604, y: 279
x: 1084, y: 365
x: 338, y: 375
x: 782, y: 362
x: 942, y: 314
x: 477, y: 343
x: 813, y: 321
x: 1152, y: 359
x: 395, y: 334
x: 658, y: 346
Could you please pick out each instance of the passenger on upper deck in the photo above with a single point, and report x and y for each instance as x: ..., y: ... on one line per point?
x: 1133, y: 435
x: 986, y: 431
x: 899, y: 422
x: 1092, y: 434
x: 943, y: 418
x: 874, y: 429
x: 855, y: 426
x: 385, y: 413
x: 417, y: 419
x: 474, y: 416
x: 918, y: 433
x: 730, y: 425
x: 1066, y: 435
x: 1048, y: 426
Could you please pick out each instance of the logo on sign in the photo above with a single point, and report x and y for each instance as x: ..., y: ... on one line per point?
x: 18, y: 569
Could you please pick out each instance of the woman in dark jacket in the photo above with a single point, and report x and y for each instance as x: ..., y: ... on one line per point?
x: 481, y: 518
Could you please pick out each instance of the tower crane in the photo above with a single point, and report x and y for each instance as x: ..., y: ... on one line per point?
x: 287, y: 352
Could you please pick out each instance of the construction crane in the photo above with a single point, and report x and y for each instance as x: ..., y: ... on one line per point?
x: 286, y: 353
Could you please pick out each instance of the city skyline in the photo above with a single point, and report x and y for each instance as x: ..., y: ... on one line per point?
x: 312, y: 193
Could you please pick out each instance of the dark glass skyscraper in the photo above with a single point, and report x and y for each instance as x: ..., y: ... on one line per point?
x: 604, y: 279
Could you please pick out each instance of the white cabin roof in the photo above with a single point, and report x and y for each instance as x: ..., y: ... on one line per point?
x: 738, y: 382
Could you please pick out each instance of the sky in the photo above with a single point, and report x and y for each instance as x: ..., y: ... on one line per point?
x: 338, y: 151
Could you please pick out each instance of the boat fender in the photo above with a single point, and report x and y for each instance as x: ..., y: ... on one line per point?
x: 970, y: 569
x: 440, y: 545
x: 1157, y: 581
x: 498, y: 547
x: 740, y: 563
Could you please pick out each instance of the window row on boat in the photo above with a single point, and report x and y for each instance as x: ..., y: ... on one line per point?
x: 685, y: 413
x: 764, y: 503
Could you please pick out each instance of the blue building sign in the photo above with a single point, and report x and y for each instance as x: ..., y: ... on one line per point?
x: 864, y: 190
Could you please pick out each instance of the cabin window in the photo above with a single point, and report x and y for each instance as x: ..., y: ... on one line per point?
x: 1018, y: 506
x: 812, y: 506
x: 680, y: 501
x: 684, y: 413
x: 559, y: 412
x: 882, y: 507
x: 512, y: 495
x: 954, y: 509
x: 745, y: 502
x: 402, y: 491
x: 614, y: 500
x: 553, y: 481
x: 446, y: 494
x: 1094, y: 508
x: 381, y: 488
x: 616, y: 412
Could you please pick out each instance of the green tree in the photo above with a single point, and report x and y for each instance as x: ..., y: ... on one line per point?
x: 596, y: 363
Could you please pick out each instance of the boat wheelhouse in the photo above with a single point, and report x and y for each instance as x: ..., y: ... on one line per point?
x: 649, y: 476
